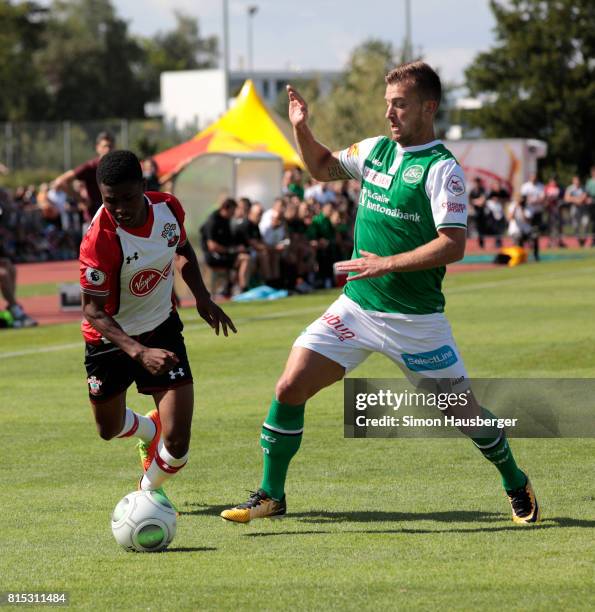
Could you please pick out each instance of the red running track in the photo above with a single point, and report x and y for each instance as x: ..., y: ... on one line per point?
x: 46, y: 309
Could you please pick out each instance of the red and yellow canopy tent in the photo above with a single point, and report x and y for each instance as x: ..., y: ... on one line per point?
x: 246, y: 127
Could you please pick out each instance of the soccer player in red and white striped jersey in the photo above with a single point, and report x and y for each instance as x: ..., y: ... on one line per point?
x: 131, y: 328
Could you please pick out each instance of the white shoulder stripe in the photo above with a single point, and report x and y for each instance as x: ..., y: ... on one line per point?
x: 94, y: 291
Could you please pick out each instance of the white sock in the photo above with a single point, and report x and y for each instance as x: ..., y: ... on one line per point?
x: 162, y: 468
x: 137, y: 425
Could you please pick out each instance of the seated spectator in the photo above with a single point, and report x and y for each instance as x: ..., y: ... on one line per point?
x: 32, y: 244
x: 241, y: 213
x: 323, y: 240
x: 218, y: 245
x: 248, y: 234
x: 293, y: 183
x: 275, y: 238
x: 49, y: 211
x: 279, y: 206
x: 344, y: 238
x: 321, y: 192
x: 300, y: 255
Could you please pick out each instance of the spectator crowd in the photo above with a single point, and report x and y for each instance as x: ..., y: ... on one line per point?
x: 293, y: 244
x: 541, y: 210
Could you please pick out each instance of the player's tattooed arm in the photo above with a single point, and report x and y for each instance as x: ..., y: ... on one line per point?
x: 335, y: 169
x: 320, y: 162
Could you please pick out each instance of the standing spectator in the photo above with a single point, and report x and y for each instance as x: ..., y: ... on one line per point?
x: 496, y: 202
x: 520, y: 228
x: 477, y: 200
x: 552, y: 193
x: 533, y: 191
x: 219, y: 246
x: 86, y: 172
x: 8, y: 287
x: 150, y: 174
x: 590, y: 188
x: 577, y: 197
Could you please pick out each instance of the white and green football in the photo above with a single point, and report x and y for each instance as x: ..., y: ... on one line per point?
x: 144, y: 521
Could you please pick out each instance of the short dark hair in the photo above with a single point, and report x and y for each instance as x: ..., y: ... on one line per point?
x: 228, y: 203
x: 421, y: 76
x: 119, y: 167
x: 105, y: 135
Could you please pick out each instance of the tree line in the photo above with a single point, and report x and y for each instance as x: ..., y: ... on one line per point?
x: 77, y: 60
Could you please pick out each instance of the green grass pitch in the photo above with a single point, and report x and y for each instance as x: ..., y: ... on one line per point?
x: 384, y: 524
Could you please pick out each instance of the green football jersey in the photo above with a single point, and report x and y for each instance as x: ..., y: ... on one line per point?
x: 407, y: 194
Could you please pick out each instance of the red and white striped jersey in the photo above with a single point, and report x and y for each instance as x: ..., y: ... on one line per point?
x: 133, y: 267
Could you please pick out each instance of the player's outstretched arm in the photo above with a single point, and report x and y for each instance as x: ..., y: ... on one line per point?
x: 321, y: 163
x: 155, y: 360
x: 187, y: 266
x: 447, y: 248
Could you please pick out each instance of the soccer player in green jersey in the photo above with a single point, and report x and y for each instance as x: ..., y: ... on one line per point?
x: 411, y: 222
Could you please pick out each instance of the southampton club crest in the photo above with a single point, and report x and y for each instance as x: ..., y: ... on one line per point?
x: 169, y: 233
x: 94, y: 385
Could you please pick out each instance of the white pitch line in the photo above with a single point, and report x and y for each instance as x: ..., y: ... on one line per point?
x: 194, y: 326
x: 290, y: 313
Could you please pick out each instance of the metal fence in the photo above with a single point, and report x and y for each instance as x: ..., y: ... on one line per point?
x: 61, y: 145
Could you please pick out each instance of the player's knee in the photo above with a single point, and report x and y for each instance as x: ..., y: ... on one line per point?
x: 289, y: 391
x: 106, y: 431
x: 177, y: 445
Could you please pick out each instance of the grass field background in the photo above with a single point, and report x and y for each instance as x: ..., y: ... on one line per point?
x: 389, y: 524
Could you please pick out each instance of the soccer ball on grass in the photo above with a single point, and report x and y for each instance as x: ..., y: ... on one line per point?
x: 144, y: 521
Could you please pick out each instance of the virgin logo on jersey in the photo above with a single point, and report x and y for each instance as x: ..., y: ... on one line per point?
x: 169, y: 233
x: 334, y: 321
x: 144, y: 281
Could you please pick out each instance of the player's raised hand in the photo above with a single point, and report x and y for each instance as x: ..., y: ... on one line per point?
x: 298, y: 109
x: 215, y: 317
x: 369, y: 265
x: 157, y: 361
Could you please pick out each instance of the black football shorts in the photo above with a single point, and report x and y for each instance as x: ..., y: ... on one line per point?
x: 110, y: 371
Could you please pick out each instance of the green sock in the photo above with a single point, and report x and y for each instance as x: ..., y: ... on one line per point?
x: 280, y: 440
x: 497, y: 451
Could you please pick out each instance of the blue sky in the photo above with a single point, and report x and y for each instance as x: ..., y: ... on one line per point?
x: 321, y: 33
